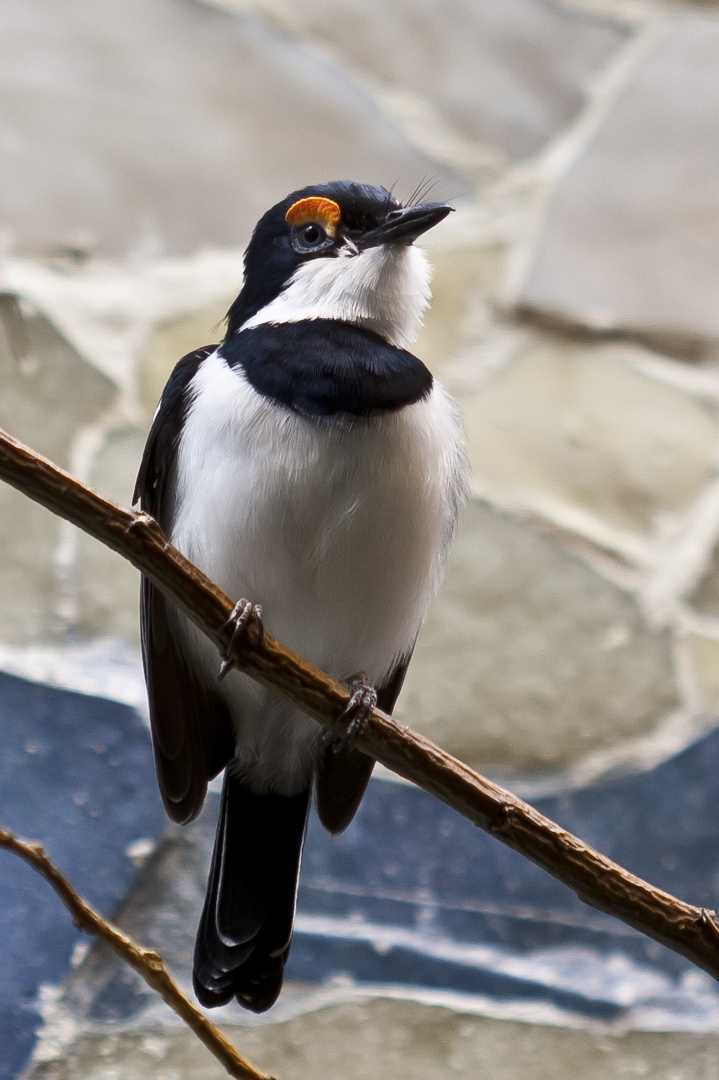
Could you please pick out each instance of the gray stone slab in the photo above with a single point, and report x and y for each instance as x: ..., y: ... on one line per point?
x: 631, y: 238
x: 170, y: 125
x: 395, y: 1040
x: 705, y: 597
x: 530, y: 659
x: 106, y: 587
x: 584, y: 426
x: 509, y: 73
x: 49, y: 393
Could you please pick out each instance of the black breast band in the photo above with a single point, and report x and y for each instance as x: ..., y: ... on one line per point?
x: 321, y: 367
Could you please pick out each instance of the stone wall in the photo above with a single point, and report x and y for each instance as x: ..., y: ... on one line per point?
x: 575, y: 319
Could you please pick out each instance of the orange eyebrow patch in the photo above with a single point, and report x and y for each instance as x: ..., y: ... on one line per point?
x: 315, y: 211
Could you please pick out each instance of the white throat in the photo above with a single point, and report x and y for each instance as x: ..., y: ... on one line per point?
x: 385, y: 289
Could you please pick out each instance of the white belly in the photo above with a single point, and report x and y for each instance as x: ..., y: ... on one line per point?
x: 339, y: 528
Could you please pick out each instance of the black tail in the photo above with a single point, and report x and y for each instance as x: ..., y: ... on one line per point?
x: 244, y: 935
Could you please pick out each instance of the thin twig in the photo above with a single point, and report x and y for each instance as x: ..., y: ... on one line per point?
x: 689, y: 930
x: 146, y: 963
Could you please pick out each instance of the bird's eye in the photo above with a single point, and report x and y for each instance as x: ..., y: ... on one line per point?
x: 310, y: 237
x: 312, y: 234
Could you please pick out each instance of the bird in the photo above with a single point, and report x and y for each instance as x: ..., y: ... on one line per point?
x: 310, y: 463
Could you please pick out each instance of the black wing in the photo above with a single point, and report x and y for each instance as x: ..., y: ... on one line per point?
x: 191, y: 729
x: 344, y: 774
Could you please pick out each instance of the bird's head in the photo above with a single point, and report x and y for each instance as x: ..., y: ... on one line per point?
x: 339, y: 251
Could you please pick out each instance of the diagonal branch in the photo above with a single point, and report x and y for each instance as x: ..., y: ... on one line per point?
x: 691, y: 931
x: 145, y: 962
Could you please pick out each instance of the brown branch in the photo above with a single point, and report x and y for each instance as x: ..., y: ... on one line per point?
x: 146, y: 963
x: 691, y: 931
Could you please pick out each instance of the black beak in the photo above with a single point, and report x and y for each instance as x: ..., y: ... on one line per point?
x: 405, y: 225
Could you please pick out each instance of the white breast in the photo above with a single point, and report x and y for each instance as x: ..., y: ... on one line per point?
x: 339, y: 528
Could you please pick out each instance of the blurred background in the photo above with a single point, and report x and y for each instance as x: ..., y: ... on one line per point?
x: 574, y: 651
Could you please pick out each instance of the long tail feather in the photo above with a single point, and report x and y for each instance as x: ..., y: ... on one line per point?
x: 245, y: 931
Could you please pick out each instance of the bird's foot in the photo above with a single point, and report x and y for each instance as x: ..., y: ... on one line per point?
x: 352, y: 721
x: 244, y: 614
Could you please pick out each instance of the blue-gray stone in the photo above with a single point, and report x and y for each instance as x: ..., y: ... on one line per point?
x: 76, y: 774
x: 411, y: 895
x: 414, y: 895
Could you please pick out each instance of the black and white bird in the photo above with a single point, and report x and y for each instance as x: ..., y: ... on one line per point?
x: 312, y: 464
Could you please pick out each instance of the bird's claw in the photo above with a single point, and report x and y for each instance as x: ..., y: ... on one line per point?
x: 244, y: 614
x: 352, y: 721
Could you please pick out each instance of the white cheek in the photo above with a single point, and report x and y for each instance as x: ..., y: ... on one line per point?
x: 385, y: 289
